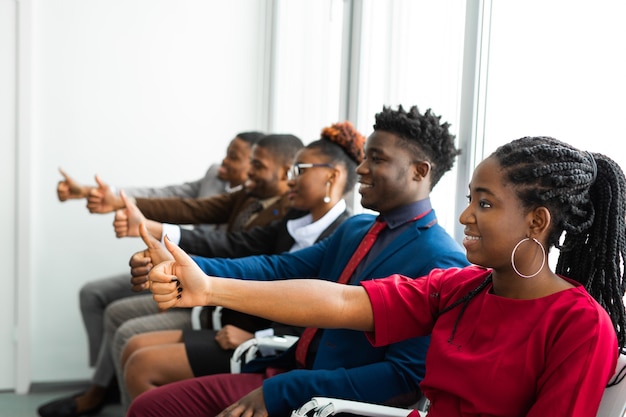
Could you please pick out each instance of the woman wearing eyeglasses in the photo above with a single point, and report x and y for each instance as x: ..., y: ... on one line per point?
x: 323, y: 173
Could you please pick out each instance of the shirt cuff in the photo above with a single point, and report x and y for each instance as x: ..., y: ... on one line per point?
x: 172, y: 232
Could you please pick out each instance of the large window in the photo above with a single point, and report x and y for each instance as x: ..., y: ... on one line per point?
x: 557, y: 68
x: 411, y: 54
x: 335, y: 59
x: 306, y: 66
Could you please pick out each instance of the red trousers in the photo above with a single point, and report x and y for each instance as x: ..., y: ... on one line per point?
x: 204, y: 396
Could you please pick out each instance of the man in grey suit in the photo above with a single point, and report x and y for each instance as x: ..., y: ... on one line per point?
x: 96, y: 295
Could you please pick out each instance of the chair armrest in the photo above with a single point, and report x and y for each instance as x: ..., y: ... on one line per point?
x: 216, y: 317
x: 323, y: 407
x: 614, y: 398
x: 196, y: 312
x: 249, y: 349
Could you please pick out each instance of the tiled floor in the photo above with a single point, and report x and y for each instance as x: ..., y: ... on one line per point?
x: 13, y: 405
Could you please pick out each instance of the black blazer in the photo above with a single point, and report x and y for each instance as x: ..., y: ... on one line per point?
x: 270, y: 239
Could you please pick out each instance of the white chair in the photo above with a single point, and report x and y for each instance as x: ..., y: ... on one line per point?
x: 613, y: 402
x: 323, y: 407
x: 249, y: 349
x: 216, y: 317
x: 252, y: 348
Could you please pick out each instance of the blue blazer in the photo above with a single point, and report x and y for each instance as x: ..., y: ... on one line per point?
x: 346, y: 364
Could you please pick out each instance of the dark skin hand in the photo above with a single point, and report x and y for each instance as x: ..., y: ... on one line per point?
x: 140, y: 265
x: 251, y: 405
x: 142, y: 262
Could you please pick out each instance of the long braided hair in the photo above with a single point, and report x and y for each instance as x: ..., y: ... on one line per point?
x: 585, y: 194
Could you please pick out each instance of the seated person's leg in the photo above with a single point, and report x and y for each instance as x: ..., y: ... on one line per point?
x: 204, y: 396
x: 151, y: 367
x: 95, y: 297
x: 170, y: 320
x: 158, y: 358
x: 204, y: 353
x: 121, y: 311
x: 149, y: 339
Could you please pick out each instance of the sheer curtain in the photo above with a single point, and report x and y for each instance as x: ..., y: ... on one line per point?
x: 557, y: 69
x: 412, y: 54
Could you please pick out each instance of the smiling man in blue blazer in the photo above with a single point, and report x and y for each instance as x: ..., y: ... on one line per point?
x: 405, y: 157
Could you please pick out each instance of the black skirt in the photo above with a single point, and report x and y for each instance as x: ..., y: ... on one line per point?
x: 205, y: 356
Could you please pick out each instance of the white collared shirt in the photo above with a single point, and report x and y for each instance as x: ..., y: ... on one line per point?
x: 305, y: 232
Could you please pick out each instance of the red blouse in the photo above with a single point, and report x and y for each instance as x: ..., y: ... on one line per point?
x: 550, y: 356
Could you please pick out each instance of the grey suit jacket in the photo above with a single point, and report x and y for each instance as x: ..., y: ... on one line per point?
x: 207, y: 186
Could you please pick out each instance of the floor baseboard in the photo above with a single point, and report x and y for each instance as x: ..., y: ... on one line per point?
x: 41, y: 387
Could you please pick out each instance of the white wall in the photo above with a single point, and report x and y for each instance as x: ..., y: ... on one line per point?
x: 557, y: 69
x: 7, y: 187
x: 143, y: 92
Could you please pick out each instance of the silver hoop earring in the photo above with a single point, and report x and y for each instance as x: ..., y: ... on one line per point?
x: 543, y: 261
x: 327, y: 196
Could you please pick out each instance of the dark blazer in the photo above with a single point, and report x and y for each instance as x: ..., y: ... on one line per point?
x: 207, y: 186
x: 346, y: 364
x: 222, y: 208
x: 270, y: 239
x: 261, y: 240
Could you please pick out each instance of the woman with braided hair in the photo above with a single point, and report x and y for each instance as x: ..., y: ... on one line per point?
x: 509, y: 337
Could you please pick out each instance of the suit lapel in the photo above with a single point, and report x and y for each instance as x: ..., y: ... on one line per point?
x: 398, y: 244
x: 333, y: 226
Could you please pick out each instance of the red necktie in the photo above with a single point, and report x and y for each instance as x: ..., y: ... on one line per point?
x: 305, y: 340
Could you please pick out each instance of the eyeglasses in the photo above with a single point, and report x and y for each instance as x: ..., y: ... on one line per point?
x: 296, y: 169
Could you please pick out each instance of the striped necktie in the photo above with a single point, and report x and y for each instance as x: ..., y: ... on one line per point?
x: 245, y: 216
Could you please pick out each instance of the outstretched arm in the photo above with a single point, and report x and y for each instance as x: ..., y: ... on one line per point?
x: 127, y: 220
x: 70, y: 189
x: 102, y: 199
x: 299, y: 302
